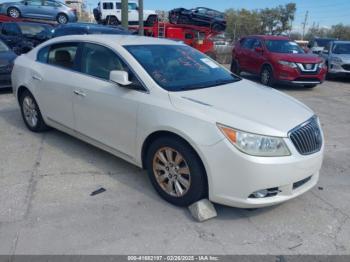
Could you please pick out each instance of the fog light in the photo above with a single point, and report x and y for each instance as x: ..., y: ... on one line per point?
x: 260, y: 193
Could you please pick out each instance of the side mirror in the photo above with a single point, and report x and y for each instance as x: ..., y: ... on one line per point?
x: 259, y: 50
x: 120, y: 77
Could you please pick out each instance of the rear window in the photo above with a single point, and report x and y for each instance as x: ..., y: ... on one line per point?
x: 108, y: 6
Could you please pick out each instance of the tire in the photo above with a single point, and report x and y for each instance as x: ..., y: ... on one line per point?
x: 266, y: 76
x: 151, y: 20
x: 235, y: 67
x: 31, y: 113
x: 112, y: 20
x: 179, y: 182
x: 62, y: 19
x: 13, y: 12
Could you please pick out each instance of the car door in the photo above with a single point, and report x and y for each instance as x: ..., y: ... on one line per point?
x: 255, y: 57
x: 105, y: 111
x: 243, y: 60
x: 50, y: 9
x: 55, y: 78
x: 11, y: 34
x: 133, y: 12
x: 33, y: 9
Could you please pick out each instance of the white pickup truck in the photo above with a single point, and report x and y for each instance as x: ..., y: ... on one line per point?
x: 109, y: 12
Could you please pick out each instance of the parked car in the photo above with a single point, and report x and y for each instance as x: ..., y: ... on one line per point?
x: 87, y: 29
x: 199, y: 130
x: 337, y: 56
x: 276, y: 59
x: 317, y: 45
x: 109, y: 12
x: 7, y: 56
x: 40, y: 9
x: 200, y: 16
x: 23, y: 36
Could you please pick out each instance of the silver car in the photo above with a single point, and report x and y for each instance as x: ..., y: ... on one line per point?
x: 337, y: 56
x: 40, y: 9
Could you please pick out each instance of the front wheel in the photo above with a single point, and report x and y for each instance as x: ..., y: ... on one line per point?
x: 31, y: 113
x: 235, y: 67
x: 13, y: 12
x: 62, y: 19
x: 176, y: 171
x: 266, y: 76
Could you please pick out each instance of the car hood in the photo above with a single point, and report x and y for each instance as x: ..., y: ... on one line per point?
x: 298, y: 58
x: 244, y: 105
x: 7, y: 58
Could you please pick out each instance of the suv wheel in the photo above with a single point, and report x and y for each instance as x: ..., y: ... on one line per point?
x: 176, y: 171
x: 235, y: 67
x: 13, y: 12
x: 62, y: 19
x: 31, y: 113
x: 266, y: 76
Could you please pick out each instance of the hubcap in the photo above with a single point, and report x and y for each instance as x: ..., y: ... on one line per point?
x: 30, y: 112
x: 265, y: 76
x: 171, y: 171
x: 14, y: 13
x: 62, y: 19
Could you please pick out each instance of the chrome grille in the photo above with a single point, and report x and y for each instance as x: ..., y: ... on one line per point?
x: 307, y: 137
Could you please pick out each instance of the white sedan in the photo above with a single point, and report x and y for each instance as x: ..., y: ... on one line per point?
x: 199, y: 130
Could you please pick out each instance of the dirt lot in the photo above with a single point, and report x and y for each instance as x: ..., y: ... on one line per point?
x: 46, y: 207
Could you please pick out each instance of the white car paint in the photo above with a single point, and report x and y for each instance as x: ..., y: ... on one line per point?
x: 119, y: 120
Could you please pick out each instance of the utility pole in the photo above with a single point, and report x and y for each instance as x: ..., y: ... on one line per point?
x: 141, y: 30
x: 125, y: 13
x: 304, y: 24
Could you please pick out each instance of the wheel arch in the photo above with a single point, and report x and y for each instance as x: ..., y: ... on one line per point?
x: 267, y: 64
x: 20, y: 90
x: 166, y: 133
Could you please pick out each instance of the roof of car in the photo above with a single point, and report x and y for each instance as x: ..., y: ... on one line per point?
x: 121, y: 40
x: 89, y: 25
x: 271, y: 37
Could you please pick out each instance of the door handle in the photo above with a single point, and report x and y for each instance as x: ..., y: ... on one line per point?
x: 79, y: 93
x: 35, y: 77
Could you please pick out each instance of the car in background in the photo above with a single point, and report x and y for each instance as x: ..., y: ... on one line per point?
x: 24, y: 36
x: 110, y: 12
x: 199, y: 130
x: 337, y: 56
x: 7, y: 57
x: 200, y: 16
x: 88, y: 29
x: 277, y: 59
x: 317, y: 45
x: 40, y: 9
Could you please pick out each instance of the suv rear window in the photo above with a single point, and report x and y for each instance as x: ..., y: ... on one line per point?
x: 248, y: 43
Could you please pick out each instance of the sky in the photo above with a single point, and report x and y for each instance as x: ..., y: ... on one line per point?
x: 324, y: 12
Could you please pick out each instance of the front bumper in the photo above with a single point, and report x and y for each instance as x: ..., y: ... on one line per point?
x: 293, y: 76
x: 233, y: 176
x: 339, y: 69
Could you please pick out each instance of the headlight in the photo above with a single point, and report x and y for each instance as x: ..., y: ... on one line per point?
x: 336, y: 60
x: 288, y: 64
x: 255, y: 145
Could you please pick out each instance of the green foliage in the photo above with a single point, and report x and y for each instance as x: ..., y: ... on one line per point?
x: 338, y: 31
x: 276, y: 20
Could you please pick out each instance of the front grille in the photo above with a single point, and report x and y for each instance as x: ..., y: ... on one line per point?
x: 307, y: 137
x: 346, y: 67
x: 308, y: 69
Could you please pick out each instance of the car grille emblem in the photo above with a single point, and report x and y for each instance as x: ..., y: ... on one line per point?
x: 309, y: 66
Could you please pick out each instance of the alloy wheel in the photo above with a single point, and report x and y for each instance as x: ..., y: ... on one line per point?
x: 265, y: 76
x: 14, y: 13
x: 171, y: 171
x: 62, y: 19
x: 30, y: 111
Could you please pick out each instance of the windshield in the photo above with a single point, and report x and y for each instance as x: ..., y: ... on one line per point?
x: 3, y: 47
x: 283, y: 46
x: 341, y: 48
x: 322, y: 42
x: 180, y: 68
x: 34, y: 30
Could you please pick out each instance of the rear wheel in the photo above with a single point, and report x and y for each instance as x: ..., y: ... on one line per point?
x: 13, y: 12
x: 266, y: 76
x: 31, y: 113
x: 62, y: 19
x: 176, y: 171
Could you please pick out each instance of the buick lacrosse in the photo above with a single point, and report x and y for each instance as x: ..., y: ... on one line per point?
x: 199, y: 130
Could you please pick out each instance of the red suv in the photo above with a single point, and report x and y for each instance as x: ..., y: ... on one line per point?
x: 277, y: 59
